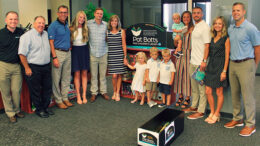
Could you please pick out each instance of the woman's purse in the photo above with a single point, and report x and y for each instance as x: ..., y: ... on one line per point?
x: 198, y: 76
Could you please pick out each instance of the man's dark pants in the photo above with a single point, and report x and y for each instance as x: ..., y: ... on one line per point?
x: 40, y: 85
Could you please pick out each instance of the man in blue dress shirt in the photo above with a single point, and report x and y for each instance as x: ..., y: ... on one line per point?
x: 34, y: 52
x: 98, y: 54
x: 59, y: 37
x: 244, y: 58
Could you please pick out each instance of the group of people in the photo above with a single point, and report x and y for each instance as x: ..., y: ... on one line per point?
x: 49, y: 58
x: 216, y: 51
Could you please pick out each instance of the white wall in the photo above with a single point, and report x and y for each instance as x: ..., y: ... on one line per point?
x: 54, y: 4
x: 29, y: 9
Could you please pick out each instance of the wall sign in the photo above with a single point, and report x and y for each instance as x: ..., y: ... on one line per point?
x: 145, y: 34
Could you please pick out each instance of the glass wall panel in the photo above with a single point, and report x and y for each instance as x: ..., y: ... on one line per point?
x: 142, y: 11
x: 169, y: 10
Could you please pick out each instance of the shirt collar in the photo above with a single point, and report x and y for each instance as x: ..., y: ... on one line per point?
x: 202, y: 21
x: 167, y: 62
x: 94, y: 21
x: 153, y: 59
x: 10, y: 31
x: 61, y: 22
x: 36, y: 32
x: 241, y: 25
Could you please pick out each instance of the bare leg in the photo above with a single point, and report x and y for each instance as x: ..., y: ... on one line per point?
x: 168, y: 99
x: 118, y: 85
x: 84, y: 79
x: 77, y: 86
x: 219, y: 92
x: 148, y: 93
x: 114, y: 83
x: 142, y: 98
x: 210, y: 99
x: 163, y: 98
x: 136, y: 97
x: 179, y: 45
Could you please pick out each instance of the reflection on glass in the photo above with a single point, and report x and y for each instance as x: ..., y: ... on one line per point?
x: 206, y: 7
x: 168, y: 10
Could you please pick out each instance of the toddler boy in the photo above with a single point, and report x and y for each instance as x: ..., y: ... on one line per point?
x: 152, y: 72
x: 166, y: 77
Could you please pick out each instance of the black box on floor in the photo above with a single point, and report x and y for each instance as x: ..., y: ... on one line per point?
x: 161, y: 130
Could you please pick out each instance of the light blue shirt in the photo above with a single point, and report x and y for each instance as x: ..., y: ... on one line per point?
x: 97, y: 38
x: 242, y: 40
x: 35, y: 47
x: 177, y: 27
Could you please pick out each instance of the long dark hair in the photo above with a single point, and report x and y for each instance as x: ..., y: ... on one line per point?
x: 191, y: 22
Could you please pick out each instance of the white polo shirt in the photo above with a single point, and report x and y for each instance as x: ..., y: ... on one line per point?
x: 166, y: 70
x: 199, y: 37
x: 153, y: 66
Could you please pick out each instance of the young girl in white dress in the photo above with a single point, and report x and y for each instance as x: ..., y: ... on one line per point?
x: 138, y: 83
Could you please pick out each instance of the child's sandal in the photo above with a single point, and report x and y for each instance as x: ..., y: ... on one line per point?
x: 178, y: 103
x: 186, y: 103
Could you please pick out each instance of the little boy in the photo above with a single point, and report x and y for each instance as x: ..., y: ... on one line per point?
x: 151, y: 75
x: 177, y: 29
x: 166, y: 77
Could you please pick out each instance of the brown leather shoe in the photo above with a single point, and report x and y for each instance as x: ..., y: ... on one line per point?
x: 105, y: 96
x: 196, y: 115
x: 13, y: 119
x: 233, y: 124
x: 93, y: 98
x: 20, y: 115
x: 190, y: 109
x: 61, y: 105
x: 247, y: 131
x: 68, y: 103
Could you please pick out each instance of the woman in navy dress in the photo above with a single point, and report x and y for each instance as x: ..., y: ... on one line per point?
x: 217, y: 67
x: 80, y: 55
x: 116, y: 53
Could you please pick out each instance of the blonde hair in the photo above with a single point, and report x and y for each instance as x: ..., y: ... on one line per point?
x: 176, y: 14
x: 118, y: 22
x: 224, y: 29
x: 166, y: 51
x: 74, y: 27
x: 153, y: 49
x: 141, y: 54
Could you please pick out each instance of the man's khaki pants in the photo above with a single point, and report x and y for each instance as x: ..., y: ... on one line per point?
x: 10, y: 87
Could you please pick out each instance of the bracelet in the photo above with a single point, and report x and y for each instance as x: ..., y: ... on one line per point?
x: 224, y: 71
x: 54, y: 57
x: 205, y: 60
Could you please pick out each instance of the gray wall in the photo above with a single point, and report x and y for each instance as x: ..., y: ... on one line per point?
x: 253, y: 10
x: 224, y: 8
x: 78, y: 5
x: 5, y: 6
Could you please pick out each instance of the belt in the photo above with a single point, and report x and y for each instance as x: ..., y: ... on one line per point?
x: 239, y: 61
x: 62, y: 50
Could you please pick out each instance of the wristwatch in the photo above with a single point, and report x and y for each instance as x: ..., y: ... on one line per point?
x: 54, y: 57
x: 205, y: 60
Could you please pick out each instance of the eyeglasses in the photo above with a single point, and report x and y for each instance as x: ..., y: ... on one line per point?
x: 63, y: 12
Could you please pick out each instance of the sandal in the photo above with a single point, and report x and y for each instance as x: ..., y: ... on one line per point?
x: 178, y: 103
x: 186, y: 103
